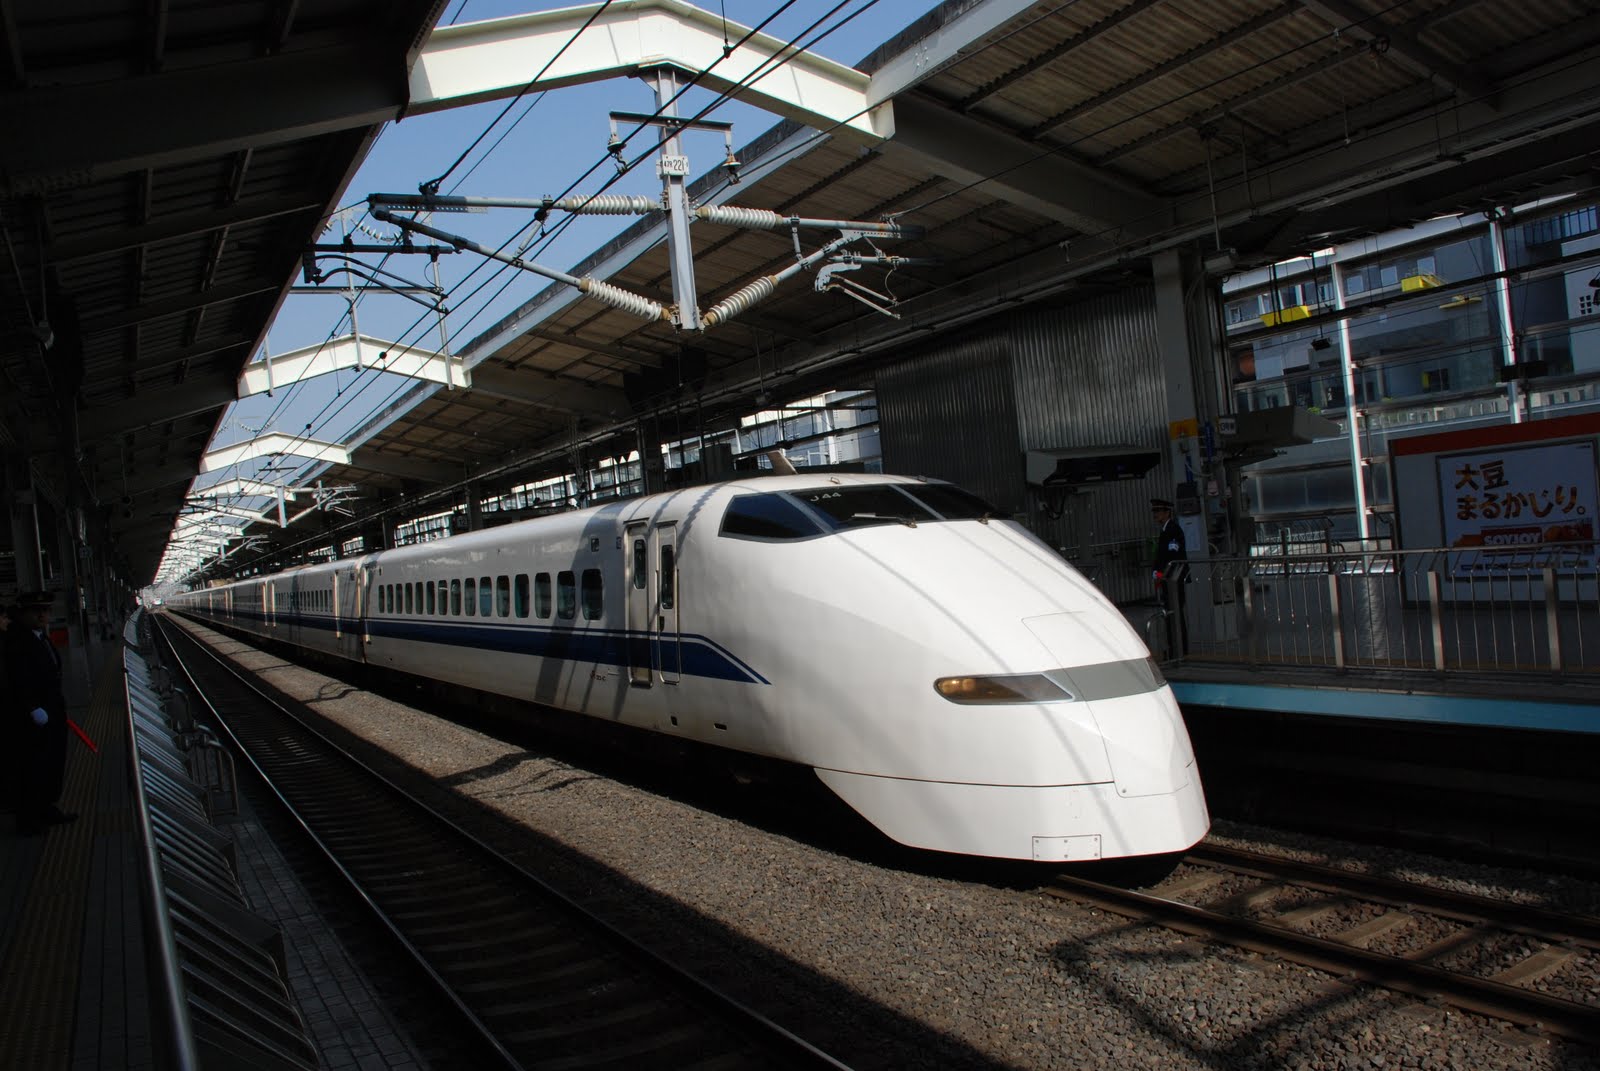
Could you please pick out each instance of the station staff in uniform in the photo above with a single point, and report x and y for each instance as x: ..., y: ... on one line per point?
x: 36, y: 715
x: 1171, y: 548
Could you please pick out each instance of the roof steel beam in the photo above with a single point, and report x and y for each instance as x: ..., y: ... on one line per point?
x: 197, y: 394
x: 548, y: 392
x: 1399, y: 45
x: 182, y: 225
x: 496, y: 59
x: 405, y: 468
x: 275, y: 442
x: 154, y: 310
x: 272, y: 100
x: 1049, y: 183
x: 351, y: 351
x: 236, y: 489
x: 939, y: 45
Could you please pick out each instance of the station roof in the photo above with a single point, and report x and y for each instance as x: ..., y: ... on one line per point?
x: 1043, y: 148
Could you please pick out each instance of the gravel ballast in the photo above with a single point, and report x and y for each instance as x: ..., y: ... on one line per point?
x: 888, y: 965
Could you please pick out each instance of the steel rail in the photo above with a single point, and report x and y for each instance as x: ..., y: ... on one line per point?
x: 1554, y: 1015
x: 779, y: 1047
x: 1528, y: 920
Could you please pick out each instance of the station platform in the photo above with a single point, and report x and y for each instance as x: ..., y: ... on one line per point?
x: 79, y: 990
x: 1553, y: 702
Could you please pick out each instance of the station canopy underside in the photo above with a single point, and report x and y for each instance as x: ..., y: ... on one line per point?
x: 1044, y: 149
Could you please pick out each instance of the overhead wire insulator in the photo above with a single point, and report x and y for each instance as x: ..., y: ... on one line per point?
x: 740, y: 301
x: 619, y: 298
x: 734, y: 216
x: 609, y: 205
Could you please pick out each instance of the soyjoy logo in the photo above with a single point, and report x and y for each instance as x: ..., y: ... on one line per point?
x: 1512, y: 537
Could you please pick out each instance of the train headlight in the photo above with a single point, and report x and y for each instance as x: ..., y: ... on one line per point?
x: 1018, y: 688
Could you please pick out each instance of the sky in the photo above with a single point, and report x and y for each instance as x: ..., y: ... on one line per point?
x: 542, y: 146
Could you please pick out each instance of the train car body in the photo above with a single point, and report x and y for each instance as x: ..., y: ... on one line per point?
x: 940, y: 668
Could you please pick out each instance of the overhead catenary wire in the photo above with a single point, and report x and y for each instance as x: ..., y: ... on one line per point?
x: 323, y: 416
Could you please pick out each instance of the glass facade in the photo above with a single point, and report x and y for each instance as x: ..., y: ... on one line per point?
x: 1486, y: 318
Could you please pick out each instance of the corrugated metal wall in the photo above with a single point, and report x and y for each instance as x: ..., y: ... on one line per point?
x: 1088, y: 374
x: 949, y: 412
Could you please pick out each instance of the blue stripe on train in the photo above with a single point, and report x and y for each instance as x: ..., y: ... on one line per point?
x: 701, y: 656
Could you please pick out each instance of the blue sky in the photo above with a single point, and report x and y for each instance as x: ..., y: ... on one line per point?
x: 548, y: 143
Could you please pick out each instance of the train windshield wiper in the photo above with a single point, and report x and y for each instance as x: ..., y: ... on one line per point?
x: 905, y: 519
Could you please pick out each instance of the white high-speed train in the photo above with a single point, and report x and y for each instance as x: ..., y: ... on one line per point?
x: 941, y: 669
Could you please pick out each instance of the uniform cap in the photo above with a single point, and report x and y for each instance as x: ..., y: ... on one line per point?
x: 1161, y: 503
x: 35, y: 598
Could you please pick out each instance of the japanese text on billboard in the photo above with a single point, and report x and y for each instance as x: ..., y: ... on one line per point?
x: 1515, y: 499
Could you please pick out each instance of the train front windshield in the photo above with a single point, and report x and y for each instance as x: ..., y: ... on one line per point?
x: 812, y: 512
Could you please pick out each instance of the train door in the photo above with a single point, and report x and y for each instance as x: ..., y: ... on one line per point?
x: 639, y: 616
x: 654, y: 646
x: 363, y: 607
x: 669, y: 643
x: 269, y: 603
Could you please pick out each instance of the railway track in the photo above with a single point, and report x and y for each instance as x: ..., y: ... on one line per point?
x: 540, y: 981
x: 1476, y: 953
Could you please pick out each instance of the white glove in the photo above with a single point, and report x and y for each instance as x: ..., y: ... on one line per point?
x: 39, y: 716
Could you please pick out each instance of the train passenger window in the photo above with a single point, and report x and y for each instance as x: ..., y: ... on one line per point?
x: 455, y: 597
x: 411, y: 600
x: 767, y: 516
x: 522, y: 594
x: 541, y: 595
x: 502, y: 596
x: 471, y: 599
x: 566, y: 595
x: 429, y: 587
x: 594, y: 601
x: 383, y: 599
x: 444, y: 596
x: 641, y: 566
x: 485, y: 597
x: 669, y: 575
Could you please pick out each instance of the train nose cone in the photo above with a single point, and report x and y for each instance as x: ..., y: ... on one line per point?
x: 1138, y: 720
x: 1077, y: 639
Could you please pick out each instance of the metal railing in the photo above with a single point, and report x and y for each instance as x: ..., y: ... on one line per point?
x: 1529, y: 609
x: 221, y: 997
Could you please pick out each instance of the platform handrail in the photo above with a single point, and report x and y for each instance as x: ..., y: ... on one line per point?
x: 219, y: 971
x: 1431, y: 610
x: 171, y: 996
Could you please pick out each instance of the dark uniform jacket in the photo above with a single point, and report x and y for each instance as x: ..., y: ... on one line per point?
x: 1170, y: 547
x: 40, y: 751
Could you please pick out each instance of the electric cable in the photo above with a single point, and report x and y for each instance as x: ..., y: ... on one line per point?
x: 761, y: 71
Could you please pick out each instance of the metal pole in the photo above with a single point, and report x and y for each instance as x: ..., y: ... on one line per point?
x: 1552, y: 617
x: 1516, y: 391
x: 674, y: 170
x: 1353, y: 406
